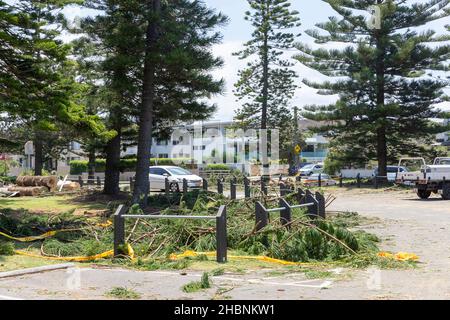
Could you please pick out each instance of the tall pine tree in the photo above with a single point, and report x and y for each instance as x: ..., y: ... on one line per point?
x: 267, y: 84
x: 386, y: 75
x: 177, y: 72
x: 155, y: 67
x: 38, y: 85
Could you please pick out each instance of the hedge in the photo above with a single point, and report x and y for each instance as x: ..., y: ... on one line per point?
x: 126, y: 165
x: 217, y: 167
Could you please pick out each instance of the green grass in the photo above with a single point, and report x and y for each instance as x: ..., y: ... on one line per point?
x: 123, y: 294
x: 49, y: 205
x: 6, y: 248
x: 318, y: 274
x: 196, y: 286
x: 16, y: 262
x: 218, y: 272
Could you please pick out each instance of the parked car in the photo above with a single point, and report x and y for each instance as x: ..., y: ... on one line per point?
x: 176, y: 175
x: 313, y: 180
x: 311, y: 169
x: 391, y: 172
x: 303, y: 164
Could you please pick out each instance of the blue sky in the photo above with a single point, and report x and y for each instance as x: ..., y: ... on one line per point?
x: 238, y: 31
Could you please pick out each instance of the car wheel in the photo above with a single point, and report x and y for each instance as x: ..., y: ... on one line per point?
x: 174, y: 187
x: 446, y: 192
x: 423, y: 194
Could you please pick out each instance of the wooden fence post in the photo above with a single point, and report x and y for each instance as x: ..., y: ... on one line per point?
x: 247, y: 190
x: 321, y: 204
x: 286, y: 214
x: 233, y: 189
x: 261, y: 216
x: 221, y: 235
x: 119, y: 229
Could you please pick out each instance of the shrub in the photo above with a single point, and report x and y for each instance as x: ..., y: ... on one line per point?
x: 217, y: 167
x: 6, y: 248
x: 8, y: 179
x: 126, y: 164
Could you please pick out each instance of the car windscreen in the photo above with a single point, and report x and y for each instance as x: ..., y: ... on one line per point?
x: 179, y: 171
x: 308, y: 167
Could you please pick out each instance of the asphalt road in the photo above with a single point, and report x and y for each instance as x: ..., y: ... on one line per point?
x: 405, y: 224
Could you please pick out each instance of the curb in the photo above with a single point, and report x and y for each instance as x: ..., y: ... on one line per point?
x: 16, y: 273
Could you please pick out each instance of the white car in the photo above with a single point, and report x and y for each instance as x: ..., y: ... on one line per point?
x: 311, y: 169
x: 392, y: 172
x: 176, y: 175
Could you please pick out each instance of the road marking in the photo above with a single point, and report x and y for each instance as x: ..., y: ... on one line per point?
x: 303, y: 283
x: 9, y: 298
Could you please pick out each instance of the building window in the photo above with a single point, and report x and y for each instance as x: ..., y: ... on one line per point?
x: 161, y: 142
x: 163, y: 156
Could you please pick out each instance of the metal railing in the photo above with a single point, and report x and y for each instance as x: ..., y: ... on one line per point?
x: 221, y: 228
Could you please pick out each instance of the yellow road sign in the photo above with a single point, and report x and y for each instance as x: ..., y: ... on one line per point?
x: 298, y: 149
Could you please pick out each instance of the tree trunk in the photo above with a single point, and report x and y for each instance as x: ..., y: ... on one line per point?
x: 91, y: 168
x: 142, y: 185
x: 381, y: 130
x: 112, y: 172
x: 38, y: 157
x: 265, y: 98
x: 382, y: 152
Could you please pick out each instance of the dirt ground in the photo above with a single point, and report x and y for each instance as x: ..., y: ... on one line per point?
x: 404, y: 224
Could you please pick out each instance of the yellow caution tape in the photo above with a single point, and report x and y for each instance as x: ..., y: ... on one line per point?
x: 190, y: 253
x: 104, y: 225
x: 35, y: 238
x: 50, y: 233
x: 106, y: 254
x: 401, y: 256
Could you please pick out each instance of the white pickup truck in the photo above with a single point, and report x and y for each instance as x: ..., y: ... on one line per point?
x: 428, y: 179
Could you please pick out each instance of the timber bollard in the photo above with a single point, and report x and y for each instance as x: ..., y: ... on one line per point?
x: 99, y: 182
x: 219, y: 186
x: 166, y: 187
x: 131, y: 184
x: 375, y: 182
x: 221, y: 235
x: 247, y: 190
x: 321, y: 205
x: 340, y: 181
x: 283, y: 191
x: 80, y: 181
x: 185, y: 187
x: 263, y: 187
x: 261, y: 216
x: 119, y: 229
x: 320, y: 180
x: 358, y: 180
x: 205, y: 185
x: 301, y: 196
x: 233, y: 189
x: 313, y: 211
x: 286, y: 214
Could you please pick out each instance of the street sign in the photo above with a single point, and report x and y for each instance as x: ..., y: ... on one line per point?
x: 298, y: 149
